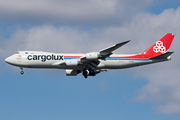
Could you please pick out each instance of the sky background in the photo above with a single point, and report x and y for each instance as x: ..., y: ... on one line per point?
x: 63, y: 26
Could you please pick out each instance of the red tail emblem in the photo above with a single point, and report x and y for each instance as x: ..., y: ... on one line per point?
x: 159, y: 47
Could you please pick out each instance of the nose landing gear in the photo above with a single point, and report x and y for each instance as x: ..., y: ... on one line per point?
x: 22, y: 72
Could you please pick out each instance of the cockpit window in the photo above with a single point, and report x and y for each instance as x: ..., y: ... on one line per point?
x: 17, y: 52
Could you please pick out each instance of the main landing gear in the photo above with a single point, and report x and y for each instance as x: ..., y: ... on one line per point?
x: 22, y: 72
x: 85, y: 73
x: 89, y: 72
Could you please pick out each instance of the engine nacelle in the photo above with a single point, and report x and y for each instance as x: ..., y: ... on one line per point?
x: 73, y: 62
x: 92, y: 55
x: 72, y: 72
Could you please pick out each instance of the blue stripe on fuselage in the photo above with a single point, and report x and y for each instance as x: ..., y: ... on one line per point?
x: 70, y: 58
x: 116, y: 59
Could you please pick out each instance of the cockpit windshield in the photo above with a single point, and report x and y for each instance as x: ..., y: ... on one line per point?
x: 17, y: 52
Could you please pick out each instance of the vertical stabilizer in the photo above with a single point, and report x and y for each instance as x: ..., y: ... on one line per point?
x: 160, y: 47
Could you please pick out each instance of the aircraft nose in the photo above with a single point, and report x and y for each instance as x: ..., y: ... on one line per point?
x: 9, y: 60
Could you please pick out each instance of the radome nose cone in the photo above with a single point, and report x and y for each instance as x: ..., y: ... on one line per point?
x: 8, y: 60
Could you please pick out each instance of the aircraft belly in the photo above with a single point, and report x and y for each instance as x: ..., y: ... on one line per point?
x: 119, y: 64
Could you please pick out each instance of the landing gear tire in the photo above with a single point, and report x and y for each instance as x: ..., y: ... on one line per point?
x: 85, y: 73
x: 22, y: 72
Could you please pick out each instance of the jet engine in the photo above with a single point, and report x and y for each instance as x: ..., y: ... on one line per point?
x: 92, y: 55
x: 72, y: 62
x: 71, y: 72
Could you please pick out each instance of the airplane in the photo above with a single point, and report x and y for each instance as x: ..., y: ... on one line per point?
x: 92, y: 63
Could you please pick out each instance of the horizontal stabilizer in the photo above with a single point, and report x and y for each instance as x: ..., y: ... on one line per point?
x: 165, y: 55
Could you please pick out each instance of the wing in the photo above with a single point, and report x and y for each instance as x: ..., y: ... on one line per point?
x: 108, y: 51
x: 102, y: 54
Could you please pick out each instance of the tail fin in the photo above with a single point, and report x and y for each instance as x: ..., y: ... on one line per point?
x: 159, y: 47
